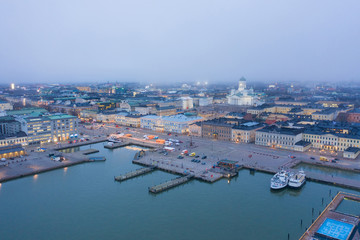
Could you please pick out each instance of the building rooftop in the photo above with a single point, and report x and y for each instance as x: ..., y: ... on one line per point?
x: 282, y: 130
x: 181, y: 118
x: 60, y: 116
x: 26, y: 111
x: 352, y: 150
x: 13, y: 148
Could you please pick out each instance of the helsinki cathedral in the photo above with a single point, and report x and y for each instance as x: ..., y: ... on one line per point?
x: 243, y: 96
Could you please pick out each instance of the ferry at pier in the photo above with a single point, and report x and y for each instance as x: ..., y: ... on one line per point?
x: 114, y: 139
x: 297, y: 180
x: 279, y: 180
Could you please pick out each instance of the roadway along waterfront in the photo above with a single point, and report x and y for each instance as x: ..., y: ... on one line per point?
x: 84, y: 202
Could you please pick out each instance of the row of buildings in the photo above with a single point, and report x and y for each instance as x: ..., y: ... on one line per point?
x: 36, y: 126
x: 327, y: 136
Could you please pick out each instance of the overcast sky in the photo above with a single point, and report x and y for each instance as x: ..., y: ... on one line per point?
x: 196, y: 40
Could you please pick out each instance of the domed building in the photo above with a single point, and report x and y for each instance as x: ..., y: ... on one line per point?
x: 243, y: 96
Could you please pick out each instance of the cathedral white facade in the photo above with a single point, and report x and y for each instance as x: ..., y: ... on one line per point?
x: 243, y: 96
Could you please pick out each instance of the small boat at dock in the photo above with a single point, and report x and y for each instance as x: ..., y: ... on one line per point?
x: 279, y: 180
x: 114, y: 140
x: 297, y: 180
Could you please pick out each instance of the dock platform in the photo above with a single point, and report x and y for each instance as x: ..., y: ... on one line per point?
x: 89, y: 151
x: 135, y: 173
x: 335, y: 224
x: 170, y: 184
x: 97, y: 159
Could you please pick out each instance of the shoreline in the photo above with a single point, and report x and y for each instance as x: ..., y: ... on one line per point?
x: 48, y: 169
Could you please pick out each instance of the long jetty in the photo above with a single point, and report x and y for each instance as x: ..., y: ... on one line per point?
x: 135, y: 173
x: 170, y: 184
x: 130, y: 141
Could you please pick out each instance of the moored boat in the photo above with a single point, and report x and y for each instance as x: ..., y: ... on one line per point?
x: 279, y: 180
x: 114, y: 140
x: 297, y: 180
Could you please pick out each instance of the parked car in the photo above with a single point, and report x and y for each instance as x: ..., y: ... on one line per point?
x: 312, y: 158
x: 203, y: 157
x: 197, y: 156
x: 180, y: 157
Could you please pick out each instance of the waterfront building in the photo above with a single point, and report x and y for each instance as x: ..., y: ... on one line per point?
x: 9, y: 126
x: 321, y: 140
x: 283, y: 138
x: 351, y: 152
x: 38, y: 129
x: 245, y: 133
x: 347, y: 140
x: 63, y: 127
x: 14, y: 139
x: 12, y: 151
x: 243, y: 96
x: 151, y: 122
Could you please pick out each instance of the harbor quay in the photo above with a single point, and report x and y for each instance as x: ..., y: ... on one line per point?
x: 37, y: 162
x: 337, y: 221
x: 248, y: 156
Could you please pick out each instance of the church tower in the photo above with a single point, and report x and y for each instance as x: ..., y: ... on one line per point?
x: 242, y: 84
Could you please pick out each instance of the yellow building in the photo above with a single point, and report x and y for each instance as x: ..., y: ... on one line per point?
x: 12, y: 151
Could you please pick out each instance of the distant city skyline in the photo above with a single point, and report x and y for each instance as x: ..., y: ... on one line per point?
x: 182, y: 41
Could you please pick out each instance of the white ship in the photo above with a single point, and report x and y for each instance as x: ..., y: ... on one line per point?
x: 297, y: 180
x: 114, y: 139
x: 279, y: 180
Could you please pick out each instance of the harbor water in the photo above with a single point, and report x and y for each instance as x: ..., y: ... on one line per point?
x: 84, y: 202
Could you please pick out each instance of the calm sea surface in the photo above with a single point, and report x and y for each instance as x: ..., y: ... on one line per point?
x: 84, y: 202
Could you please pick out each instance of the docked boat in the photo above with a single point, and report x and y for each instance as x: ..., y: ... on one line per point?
x: 279, y: 180
x: 297, y: 180
x: 114, y: 140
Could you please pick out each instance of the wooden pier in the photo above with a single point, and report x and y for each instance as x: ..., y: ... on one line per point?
x: 170, y: 184
x: 97, y: 159
x: 89, y: 151
x: 135, y: 173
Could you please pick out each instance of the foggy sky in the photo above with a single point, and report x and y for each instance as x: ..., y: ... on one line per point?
x: 170, y: 40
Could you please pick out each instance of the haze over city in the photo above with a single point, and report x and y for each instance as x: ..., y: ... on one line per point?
x: 180, y: 119
x: 164, y: 41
